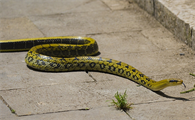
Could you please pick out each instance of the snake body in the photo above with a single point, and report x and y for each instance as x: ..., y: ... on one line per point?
x: 74, y: 53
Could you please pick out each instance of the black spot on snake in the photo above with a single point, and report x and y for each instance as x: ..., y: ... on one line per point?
x: 111, y: 68
x: 42, y: 62
x: 54, y: 65
x: 38, y: 55
x: 70, y: 47
x: 89, y: 58
x: 127, y: 66
x: 149, y: 85
x: 60, y: 47
x: 49, y: 58
x: 109, y: 60
x: 143, y: 82
x: 141, y: 75
x: 50, y: 47
x: 62, y: 59
x: 100, y: 59
x: 120, y: 71
x: 76, y: 58
x: 68, y: 65
x: 37, y: 62
x: 148, y: 79
x: 119, y: 63
x: 92, y: 65
x: 30, y: 52
x: 81, y: 64
x: 135, y: 77
x: 30, y: 59
x: 128, y: 73
x: 134, y: 70
x: 102, y: 66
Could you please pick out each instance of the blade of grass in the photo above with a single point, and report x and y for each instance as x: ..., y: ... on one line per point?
x: 187, y: 91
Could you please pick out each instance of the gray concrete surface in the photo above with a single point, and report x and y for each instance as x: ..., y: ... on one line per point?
x: 123, y: 32
x: 176, y: 15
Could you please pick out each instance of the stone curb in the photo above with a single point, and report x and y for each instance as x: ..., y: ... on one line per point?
x: 179, y: 27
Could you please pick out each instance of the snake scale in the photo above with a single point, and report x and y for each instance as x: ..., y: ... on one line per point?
x: 74, y: 53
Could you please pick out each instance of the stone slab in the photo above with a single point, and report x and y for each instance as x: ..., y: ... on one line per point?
x: 28, y: 78
x: 143, y: 50
x: 30, y: 8
x: 5, y: 111
x: 108, y: 83
x: 72, y: 96
x: 78, y: 24
x: 63, y: 97
x: 15, y: 74
x: 118, y: 5
x: 18, y: 28
x: 172, y: 110
x: 99, y: 113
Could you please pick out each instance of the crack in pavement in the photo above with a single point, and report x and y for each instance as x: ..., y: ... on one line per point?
x: 82, y: 109
x: 12, y: 110
x: 94, y: 80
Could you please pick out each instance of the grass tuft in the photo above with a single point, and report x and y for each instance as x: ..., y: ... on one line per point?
x: 121, y: 102
x: 13, y: 111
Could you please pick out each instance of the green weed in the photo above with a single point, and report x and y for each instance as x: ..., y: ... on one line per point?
x: 193, y: 89
x: 121, y: 102
x: 13, y: 111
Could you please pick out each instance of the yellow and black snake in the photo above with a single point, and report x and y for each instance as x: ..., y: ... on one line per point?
x: 73, y: 53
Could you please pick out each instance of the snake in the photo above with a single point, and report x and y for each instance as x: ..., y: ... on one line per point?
x: 75, y: 53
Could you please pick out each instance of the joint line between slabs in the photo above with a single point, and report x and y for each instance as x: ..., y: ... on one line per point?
x: 11, y: 110
x: 94, y: 80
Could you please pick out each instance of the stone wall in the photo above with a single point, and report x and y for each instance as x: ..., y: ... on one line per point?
x: 168, y: 19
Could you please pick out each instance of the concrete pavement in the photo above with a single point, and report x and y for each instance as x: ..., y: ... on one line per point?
x: 123, y: 32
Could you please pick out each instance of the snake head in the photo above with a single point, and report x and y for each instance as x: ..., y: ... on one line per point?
x: 167, y: 82
x: 173, y: 82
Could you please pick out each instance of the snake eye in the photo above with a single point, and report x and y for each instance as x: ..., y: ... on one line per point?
x: 173, y: 81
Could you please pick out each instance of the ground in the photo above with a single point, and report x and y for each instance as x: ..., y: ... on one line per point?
x: 123, y: 32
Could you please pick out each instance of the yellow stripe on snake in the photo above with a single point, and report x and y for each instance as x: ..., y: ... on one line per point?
x: 73, y: 53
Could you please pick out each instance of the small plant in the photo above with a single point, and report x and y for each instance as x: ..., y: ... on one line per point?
x: 192, y: 74
x: 86, y: 108
x: 193, y: 89
x: 12, y: 110
x: 121, y: 102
